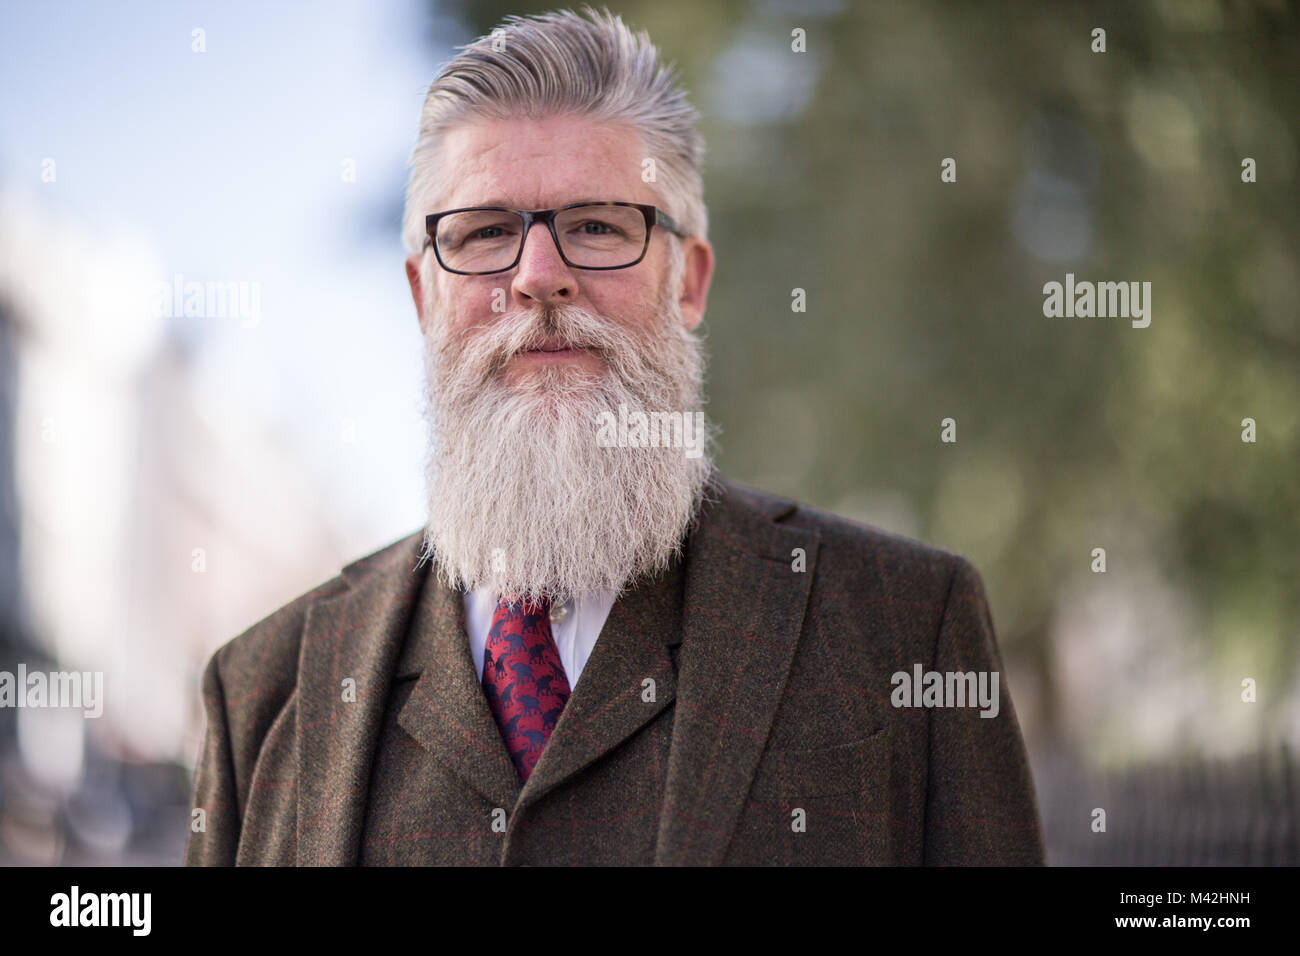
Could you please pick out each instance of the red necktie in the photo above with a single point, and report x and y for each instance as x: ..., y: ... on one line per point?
x: 523, y: 680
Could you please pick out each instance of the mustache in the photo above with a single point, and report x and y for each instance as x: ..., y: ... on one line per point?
x: 554, y: 327
x: 481, y: 352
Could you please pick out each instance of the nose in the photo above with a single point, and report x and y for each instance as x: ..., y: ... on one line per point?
x: 541, y: 275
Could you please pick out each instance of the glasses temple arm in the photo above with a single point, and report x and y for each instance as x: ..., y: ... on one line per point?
x: 666, y: 221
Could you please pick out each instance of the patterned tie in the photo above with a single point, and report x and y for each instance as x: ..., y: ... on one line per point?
x: 523, y: 680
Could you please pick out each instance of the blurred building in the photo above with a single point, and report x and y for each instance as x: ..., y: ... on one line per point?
x: 138, y: 531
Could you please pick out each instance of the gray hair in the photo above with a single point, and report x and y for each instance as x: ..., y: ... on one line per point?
x: 563, y: 63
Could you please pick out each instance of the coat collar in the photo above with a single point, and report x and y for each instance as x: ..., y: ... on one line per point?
x: 742, y: 613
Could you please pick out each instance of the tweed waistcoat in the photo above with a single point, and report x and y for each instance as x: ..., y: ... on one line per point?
x: 422, y: 811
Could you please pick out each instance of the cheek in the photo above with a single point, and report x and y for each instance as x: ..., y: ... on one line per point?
x: 632, y: 302
x: 450, y: 309
x: 432, y: 293
x: 472, y: 302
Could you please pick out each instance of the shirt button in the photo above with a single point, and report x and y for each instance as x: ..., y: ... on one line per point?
x: 559, y: 614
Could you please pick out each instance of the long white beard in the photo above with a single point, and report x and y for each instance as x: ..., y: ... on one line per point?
x: 521, y: 495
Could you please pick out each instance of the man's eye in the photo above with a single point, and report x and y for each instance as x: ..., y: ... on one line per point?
x: 594, y: 227
x: 487, y: 232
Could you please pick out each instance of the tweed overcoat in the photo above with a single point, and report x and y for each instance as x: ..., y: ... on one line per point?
x: 738, y: 708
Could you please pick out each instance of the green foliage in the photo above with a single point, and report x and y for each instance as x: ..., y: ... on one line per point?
x: 925, y: 298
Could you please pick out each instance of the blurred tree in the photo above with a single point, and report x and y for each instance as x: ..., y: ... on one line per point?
x: 925, y: 301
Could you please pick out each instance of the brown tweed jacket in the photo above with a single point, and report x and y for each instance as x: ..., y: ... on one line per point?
x: 736, y: 709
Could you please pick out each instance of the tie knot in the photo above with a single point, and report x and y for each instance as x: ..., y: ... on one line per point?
x: 541, y: 606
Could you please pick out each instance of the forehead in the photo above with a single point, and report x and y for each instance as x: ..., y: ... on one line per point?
x: 542, y: 163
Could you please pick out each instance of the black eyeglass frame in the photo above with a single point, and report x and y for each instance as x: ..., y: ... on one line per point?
x: 654, y: 216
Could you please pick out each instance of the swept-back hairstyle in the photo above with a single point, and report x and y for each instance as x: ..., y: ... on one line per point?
x: 562, y: 62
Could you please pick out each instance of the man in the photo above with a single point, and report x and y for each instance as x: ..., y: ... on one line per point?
x: 598, y: 650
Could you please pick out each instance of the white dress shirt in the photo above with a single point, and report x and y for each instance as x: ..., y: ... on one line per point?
x: 575, y: 626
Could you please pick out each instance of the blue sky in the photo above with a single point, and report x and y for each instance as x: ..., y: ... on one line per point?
x: 227, y: 163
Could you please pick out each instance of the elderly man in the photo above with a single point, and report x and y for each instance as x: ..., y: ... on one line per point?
x: 598, y: 650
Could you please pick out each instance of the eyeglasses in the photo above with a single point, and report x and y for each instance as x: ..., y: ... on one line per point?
x: 481, y: 240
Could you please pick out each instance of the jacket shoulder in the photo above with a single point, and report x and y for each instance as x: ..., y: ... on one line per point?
x: 860, y: 550
x: 263, y: 660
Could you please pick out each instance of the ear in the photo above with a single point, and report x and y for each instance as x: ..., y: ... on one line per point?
x: 697, y: 272
x: 417, y: 288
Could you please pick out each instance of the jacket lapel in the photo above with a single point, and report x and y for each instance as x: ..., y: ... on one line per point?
x: 447, y: 712
x: 742, y: 613
x: 612, y: 701
x: 356, y: 634
x: 744, y: 608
